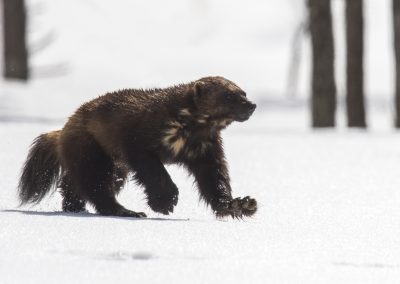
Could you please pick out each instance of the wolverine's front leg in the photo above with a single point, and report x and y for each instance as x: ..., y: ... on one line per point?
x: 162, y: 193
x: 212, y: 177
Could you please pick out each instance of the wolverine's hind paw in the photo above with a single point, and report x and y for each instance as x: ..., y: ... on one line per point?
x: 123, y: 212
x: 133, y: 214
x: 236, y: 208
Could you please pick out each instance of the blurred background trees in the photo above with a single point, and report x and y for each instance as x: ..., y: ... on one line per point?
x: 355, y: 105
x: 323, y: 79
x: 20, y: 61
x: 396, y: 27
x: 15, y: 48
x: 323, y: 82
x: 17, y: 52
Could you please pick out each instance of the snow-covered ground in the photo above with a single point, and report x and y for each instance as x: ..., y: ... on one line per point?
x: 329, y: 213
x: 329, y: 200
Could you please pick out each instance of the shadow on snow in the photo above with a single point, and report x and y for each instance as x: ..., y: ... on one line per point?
x: 88, y: 215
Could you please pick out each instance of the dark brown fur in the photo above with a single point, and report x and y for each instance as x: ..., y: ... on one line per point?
x: 139, y: 131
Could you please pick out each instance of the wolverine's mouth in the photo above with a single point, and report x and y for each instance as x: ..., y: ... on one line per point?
x: 244, y: 116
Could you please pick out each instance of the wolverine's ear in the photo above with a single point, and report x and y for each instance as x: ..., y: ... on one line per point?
x: 198, y: 89
x: 198, y: 92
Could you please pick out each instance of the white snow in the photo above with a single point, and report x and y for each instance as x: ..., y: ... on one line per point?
x: 329, y: 201
x: 329, y: 212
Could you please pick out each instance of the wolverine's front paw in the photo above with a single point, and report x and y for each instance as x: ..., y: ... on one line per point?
x: 163, y: 204
x: 236, y: 208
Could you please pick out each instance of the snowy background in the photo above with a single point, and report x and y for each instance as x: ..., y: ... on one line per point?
x: 329, y: 200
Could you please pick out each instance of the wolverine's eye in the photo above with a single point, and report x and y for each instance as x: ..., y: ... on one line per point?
x: 230, y: 97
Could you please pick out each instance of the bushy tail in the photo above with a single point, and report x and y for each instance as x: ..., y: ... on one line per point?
x: 41, y: 170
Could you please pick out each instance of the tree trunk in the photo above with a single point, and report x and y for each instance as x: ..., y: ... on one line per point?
x: 355, y: 74
x: 396, y: 26
x: 323, y: 79
x: 15, y: 51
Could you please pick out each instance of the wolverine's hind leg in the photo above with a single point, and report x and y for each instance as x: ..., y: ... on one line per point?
x: 120, y: 175
x: 71, y: 202
x: 92, y: 172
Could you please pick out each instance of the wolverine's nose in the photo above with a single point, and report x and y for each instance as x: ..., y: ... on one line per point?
x: 252, y: 107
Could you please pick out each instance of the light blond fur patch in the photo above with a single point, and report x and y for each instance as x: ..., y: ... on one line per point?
x: 178, y: 145
x: 223, y: 123
x: 172, y: 140
x: 175, y: 124
x: 184, y: 112
x: 170, y: 133
x: 203, y: 119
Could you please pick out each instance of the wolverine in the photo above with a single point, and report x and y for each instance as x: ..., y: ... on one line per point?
x: 135, y: 132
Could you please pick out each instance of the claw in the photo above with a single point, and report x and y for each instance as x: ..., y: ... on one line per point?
x: 245, y: 202
x: 141, y: 215
x: 237, y: 208
x: 252, y: 204
x: 128, y: 213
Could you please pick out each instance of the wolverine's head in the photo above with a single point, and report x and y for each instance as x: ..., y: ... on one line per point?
x: 221, y: 99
